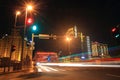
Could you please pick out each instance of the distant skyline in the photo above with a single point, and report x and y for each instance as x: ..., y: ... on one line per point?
x: 94, y: 18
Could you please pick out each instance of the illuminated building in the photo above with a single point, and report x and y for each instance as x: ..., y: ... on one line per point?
x: 45, y: 57
x: 99, y: 49
x: 16, y: 40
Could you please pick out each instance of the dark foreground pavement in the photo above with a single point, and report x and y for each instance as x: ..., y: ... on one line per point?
x: 65, y: 73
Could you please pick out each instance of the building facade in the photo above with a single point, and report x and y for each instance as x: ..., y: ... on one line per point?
x: 99, y: 49
x: 16, y: 40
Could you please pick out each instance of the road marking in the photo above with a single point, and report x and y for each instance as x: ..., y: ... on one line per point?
x: 62, y: 70
x: 46, y: 69
x: 52, y: 69
x: 43, y: 68
x: 113, y: 75
x: 39, y: 70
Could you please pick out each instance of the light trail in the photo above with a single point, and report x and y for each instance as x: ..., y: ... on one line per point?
x: 88, y: 64
x: 43, y: 67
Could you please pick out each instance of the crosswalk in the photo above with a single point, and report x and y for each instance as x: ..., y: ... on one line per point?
x: 47, y: 69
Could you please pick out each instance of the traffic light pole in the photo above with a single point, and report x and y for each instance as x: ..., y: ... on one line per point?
x: 11, y: 51
x: 10, y: 59
x: 23, y: 36
x: 22, y: 50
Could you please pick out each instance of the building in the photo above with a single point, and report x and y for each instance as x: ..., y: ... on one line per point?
x: 99, y: 49
x: 45, y: 57
x: 16, y: 40
x: 86, y: 49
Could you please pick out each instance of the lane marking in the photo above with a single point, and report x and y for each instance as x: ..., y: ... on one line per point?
x: 113, y: 75
x: 51, y: 68
x: 45, y: 69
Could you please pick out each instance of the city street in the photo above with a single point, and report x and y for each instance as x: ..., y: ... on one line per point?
x: 65, y: 73
x: 60, y: 40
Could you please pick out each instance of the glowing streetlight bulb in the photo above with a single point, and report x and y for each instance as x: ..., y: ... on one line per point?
x: 68, y: 39
x: 29, y: 7
x: 18, y: 13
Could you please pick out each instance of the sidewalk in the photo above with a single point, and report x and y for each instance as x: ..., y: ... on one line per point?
x: 12, y: 71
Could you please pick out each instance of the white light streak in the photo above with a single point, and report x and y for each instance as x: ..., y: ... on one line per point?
x: 88, y: 64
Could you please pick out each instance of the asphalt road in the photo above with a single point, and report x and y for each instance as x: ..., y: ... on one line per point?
x: 65, y: 73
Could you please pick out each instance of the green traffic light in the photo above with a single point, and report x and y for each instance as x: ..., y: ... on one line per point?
x: 117, y: 35
x: 34, y: 28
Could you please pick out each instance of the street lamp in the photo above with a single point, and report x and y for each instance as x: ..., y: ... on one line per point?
x: 68, y: 39
x: 12, y: 45
x: 28, y: 8
x: 17, y: 13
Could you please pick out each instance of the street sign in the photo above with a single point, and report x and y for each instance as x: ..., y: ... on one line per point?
x: 44, y: 36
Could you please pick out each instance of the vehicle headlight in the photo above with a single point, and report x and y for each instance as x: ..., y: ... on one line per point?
x: 38, y: 63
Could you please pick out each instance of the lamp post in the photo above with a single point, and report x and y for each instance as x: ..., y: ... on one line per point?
x: 17, y: 13
x: 69, y: 40
x: 28, y: 8
x: 12, y: 45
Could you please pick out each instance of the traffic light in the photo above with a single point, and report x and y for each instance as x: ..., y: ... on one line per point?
x: 29, y: 21
x: 113, y: 30
x: 34, y: 28
x: 13, y: 48
x: 116, y: 32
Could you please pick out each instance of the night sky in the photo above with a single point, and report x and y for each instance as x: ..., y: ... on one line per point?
x: 94, y: 18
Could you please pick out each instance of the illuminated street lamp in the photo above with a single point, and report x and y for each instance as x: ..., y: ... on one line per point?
x: 28, y: 8
x: 68, y: 39
x: 17, y: 13
x: 13, y: 47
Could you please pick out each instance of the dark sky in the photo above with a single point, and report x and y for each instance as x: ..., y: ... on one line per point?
x: 94, y: 18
